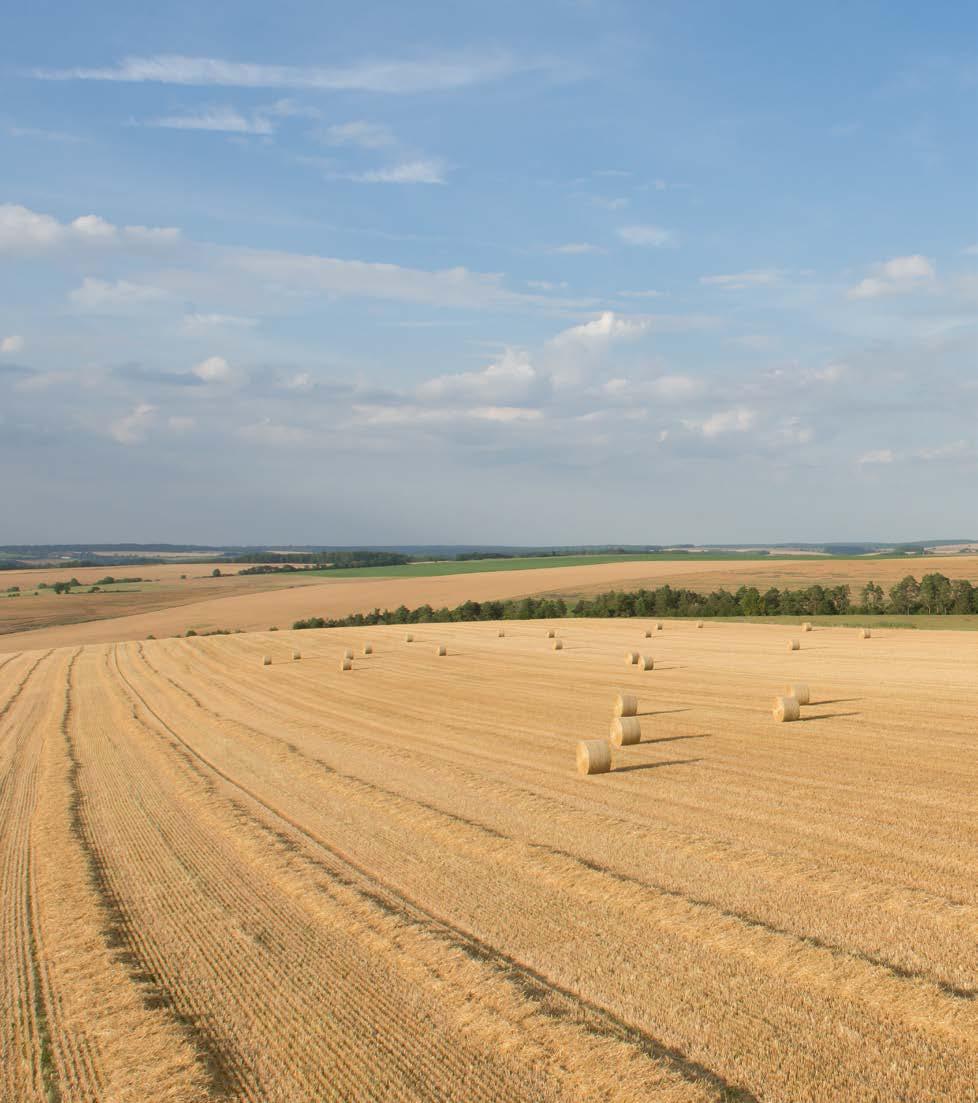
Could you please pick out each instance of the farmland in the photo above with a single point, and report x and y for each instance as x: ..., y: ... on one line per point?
x: 173, y: 605
x: 229, y: 881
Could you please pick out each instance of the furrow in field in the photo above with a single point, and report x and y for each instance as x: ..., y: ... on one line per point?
x: 548, y: 910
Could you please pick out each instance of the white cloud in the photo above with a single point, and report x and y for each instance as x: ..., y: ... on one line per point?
x: 956, y: 450
x: 606, y: 327
x: 101, y: 297
x: 831, y: 373
x: 215, y: 369
x: 420, y: 171
x: 577, y: 248
x: 970, y: 250
x: 223, y: 119
x: 882, y: 455
x: 25, y: 231
x: 46, y: 135
x: 12, y: 344
x: 360, y: 133
x: 898, y: 276
x: 655, y: 236
x: 640, y: 294
x: 132, y: 428
x: 739, y: 281
x: 739, y: 419
x: 199, y: 324
x: 508, y: 382
x: 432, y: 74
x: 669, y: 388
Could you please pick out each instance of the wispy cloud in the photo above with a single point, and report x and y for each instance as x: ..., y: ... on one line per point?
x: 430, y: 170
x: 655, y: 236
x: 12, y: 344
x: 96, y: 296
x: 437, y: 73
x: 132, y: 428
x: 360, y: 133
x: 880, y: 455
x: 223, y: 119
x: 739, y: 281
x: 576, y: 248
x: 43, y: 135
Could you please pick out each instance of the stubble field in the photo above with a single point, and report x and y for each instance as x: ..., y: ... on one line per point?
x: 282, y: 883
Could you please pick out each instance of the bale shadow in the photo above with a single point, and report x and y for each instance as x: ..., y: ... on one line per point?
x: 827, y: 716
x: 675, y: 738
x: 657, y: 765
x: 836, y: 701
x: 664, y: 712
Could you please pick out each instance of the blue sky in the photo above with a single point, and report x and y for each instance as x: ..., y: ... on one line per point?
x: 542, y: 272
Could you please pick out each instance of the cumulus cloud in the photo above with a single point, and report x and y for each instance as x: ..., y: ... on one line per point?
x: 608, y: 326
x: 103, y: 297
x: 215, y: 369
x: 738, y: 419
x: 132, y: 428
x: 12, y: 344
x: 655, y: 236
x: 739, y: 281
x: 510, y: 381
x: 432, y: 74
x: 898, y: 276
x: 25, y: 231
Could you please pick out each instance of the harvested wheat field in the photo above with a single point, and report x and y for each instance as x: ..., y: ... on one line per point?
x: 223, y: 880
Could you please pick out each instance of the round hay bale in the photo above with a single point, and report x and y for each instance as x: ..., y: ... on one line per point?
x: 865, y: 633
x: 442, y: 649
x: 368, y: 649
x: 593, y: 756
x: 631, y: 657
x: 785, y: 709
x: 800, y: 692
x: 807, y: 626
x: 500, y: 633
x: 409, y: 638
x: 794, y: 645
x: 626, y: 731
x: 658, y: 626
x: 296, y: 655
x: 266, y: 660
x: 346, y: 664
x: 648, y: 633
x: 551, y: 633
x: 348, y: 653
x: 626, y: 704
x: 699, y: 624
x: 558, y: 645
x: 646, y: 662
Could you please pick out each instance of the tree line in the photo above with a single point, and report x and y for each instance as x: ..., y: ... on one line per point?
x: 934, y: 593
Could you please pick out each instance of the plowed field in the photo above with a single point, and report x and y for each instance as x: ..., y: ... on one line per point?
x: 223, y: 880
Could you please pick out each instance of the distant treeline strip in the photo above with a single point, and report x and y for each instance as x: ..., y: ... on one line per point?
x: 935, y: 593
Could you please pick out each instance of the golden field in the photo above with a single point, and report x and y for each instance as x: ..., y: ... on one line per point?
x: 224, y: 880
x: 256, y: 602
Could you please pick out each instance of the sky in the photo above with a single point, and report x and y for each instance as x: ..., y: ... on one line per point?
x: 546, y: 272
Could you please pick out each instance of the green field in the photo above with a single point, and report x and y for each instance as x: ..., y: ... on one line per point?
x: 967, y: 622
x: 480, y: 566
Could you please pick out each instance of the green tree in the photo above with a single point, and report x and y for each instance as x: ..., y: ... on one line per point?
x: 905, y: 595
x: 936, y: 595
x: 872, y: 597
